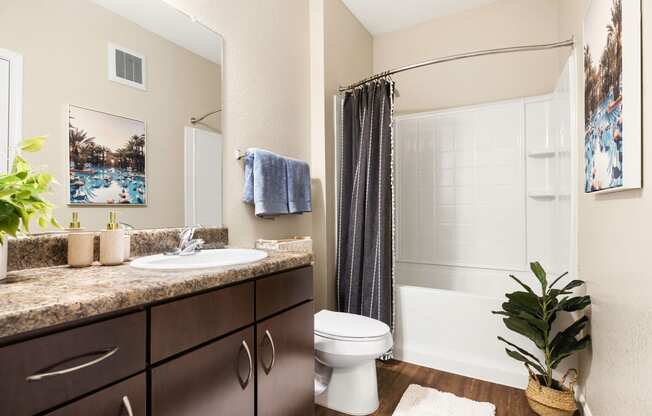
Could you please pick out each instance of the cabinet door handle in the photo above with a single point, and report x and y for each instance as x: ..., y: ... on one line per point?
x: 244, y: 383
x: 268, y: 336
x: 127, y: 405
x: 106, y: 354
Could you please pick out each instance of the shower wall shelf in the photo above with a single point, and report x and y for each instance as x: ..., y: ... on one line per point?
x: 541, y: 194
x: 542, y: 152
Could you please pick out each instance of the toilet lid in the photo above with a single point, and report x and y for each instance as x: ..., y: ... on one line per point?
x: 348, y: 326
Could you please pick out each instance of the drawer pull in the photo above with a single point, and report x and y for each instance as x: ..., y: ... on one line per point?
x: 106, y: 354
x: 268, y: 336
x: 244, y: 383
x: 127, y: 405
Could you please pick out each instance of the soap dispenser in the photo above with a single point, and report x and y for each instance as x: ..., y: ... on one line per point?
x: 112, y: 242
x: 80, y: 244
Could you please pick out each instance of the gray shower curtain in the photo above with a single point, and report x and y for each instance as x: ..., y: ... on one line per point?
x: 365, y: 223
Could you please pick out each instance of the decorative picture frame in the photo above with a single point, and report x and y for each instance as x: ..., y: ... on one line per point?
x: 107, y: 159
x: 612, y: 96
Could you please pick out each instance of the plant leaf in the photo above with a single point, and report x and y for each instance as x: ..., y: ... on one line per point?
x: 574, y: 304
x: 522, y: 327
x: 557, y: 279
x: 33, y: 145
x: 567, y: 349
x: 565, y: 342
x: 521, y: 314
x: 524, y: 301
x: 526, y: 287
x: 554, y: 293
x: 573, y: 284
x: 515, y: 355
x: 540, y: 274
x: 20, y: 167
x: 521, y: 350
x: 572, y: 330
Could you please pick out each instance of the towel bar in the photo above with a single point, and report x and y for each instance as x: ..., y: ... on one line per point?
x: 239, y: 154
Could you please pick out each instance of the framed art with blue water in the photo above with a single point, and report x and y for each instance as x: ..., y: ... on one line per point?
x: 106, y: 159
x: 612, y: 96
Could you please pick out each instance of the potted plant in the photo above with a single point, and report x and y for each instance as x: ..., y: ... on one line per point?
x: 533, y: 316
x: 20, y: 200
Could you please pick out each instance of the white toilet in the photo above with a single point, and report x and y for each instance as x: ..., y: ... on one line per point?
x: 346, y: 347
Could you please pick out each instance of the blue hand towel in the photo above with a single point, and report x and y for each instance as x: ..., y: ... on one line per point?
x: 299, y: 199
x: 266, y: 182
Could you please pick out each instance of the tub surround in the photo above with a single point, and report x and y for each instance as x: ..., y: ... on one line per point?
x: 52, y: 249
x: 33, y: 299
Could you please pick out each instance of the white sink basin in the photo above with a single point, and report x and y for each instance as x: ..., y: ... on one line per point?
x: 205, y: 259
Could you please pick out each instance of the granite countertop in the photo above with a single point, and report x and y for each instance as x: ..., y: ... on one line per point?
x: 32, y: 299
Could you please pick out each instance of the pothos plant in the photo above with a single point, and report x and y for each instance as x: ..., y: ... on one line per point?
x: 533, y: 315
x: 20, y: 194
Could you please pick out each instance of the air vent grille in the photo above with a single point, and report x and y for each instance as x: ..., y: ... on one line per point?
x: 126, y: 67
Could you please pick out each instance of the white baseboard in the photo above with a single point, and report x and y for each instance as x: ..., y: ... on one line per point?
x: 477, y: 370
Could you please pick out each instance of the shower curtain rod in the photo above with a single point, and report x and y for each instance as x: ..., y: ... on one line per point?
x: 512, y: 49
x: 194, y: 120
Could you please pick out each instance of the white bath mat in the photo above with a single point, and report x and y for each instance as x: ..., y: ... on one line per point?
x: 424, y: 401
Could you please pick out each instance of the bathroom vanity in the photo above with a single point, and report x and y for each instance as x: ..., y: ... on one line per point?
x: 120, y: 341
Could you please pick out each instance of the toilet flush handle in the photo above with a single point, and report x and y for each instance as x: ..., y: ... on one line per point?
x: 268, y: 336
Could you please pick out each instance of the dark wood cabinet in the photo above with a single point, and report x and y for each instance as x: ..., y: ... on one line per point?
x: 243, y: 350
x: 286, y: 363
x: 283, y: 290
x: 121, y: 399
x: 217, y: 379
x: 47, y: 371
x: 185, y: 323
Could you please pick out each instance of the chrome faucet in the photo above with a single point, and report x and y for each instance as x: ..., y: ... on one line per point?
x: 192, y: 247
x: 187, y: 245
x: 186, y: 236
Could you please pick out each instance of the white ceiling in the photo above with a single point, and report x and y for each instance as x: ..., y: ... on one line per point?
x: 382, y: 16
x: 161, y: 18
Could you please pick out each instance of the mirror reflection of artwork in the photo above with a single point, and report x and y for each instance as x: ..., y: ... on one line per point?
x: 107, y: 159
x: 612, y: 108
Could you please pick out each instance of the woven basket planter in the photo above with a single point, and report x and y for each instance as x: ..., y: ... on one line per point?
x: 546, y: 401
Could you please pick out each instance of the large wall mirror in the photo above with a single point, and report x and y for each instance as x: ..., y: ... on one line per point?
x: 129, y: 95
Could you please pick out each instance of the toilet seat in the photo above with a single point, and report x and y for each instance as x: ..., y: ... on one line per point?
x: 349, y: 327
x: 348, y: 335
x: 348, y: 339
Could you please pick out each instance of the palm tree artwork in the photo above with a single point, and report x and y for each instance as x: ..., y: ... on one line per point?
x: 107, y: 155
x: 603, y: 98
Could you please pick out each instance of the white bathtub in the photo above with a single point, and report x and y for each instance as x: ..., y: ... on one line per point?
x: 450, y: 327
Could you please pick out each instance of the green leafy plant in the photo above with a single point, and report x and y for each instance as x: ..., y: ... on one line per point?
x: 533, y: 315
x: 20, y: 194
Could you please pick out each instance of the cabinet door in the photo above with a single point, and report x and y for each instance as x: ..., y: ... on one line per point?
x: 186, y: 323
x: 285, y: 356
x: 127, y: 398
x: 282, y: 290
x: 217, y: 379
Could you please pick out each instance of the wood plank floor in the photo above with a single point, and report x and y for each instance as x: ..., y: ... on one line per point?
x: 395, y: 376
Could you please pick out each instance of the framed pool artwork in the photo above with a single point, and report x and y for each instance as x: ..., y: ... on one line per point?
x: 612, y: 96
x: 106, y: 159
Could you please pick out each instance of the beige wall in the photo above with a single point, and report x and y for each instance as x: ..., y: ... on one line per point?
x: 615, y: 234
x: 64, y: 46
x: 484, y: 79
x: 341, y: 52
x: 266, y: 97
